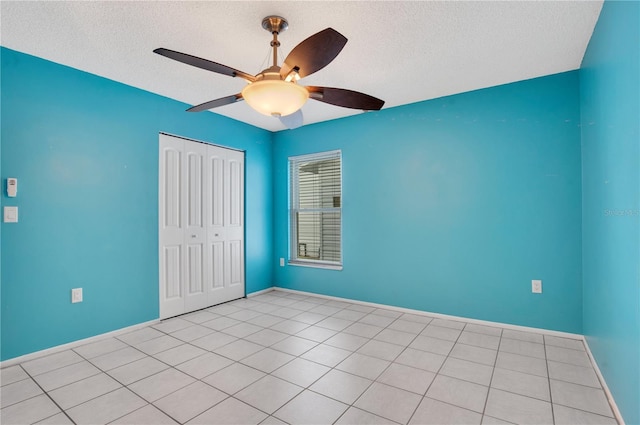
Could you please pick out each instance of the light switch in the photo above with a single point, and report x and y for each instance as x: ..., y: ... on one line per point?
x: 10, y: 214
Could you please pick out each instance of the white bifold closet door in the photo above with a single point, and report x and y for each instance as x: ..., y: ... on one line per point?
x: 201, y: 225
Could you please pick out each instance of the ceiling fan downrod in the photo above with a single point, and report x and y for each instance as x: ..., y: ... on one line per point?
x: 275, y: 25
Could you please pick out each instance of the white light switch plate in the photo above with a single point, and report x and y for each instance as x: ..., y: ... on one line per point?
x: 10, y: 214
x: 536, y: 286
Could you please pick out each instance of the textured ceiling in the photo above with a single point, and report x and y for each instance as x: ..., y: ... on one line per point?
x: 401, y: 52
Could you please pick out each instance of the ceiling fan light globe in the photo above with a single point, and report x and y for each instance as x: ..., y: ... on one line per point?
x: 275, y: 97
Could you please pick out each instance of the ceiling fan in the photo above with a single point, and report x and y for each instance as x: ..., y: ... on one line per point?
x: 275, y: 91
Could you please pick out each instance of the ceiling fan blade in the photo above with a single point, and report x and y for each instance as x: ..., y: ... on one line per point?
x: 314, y: 53
x: 215, y: 103
x: 294, y: 120
x: 204, y: 64
x: 345, y: 98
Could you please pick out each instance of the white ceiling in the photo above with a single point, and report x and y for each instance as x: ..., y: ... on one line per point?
x: 401, y: 52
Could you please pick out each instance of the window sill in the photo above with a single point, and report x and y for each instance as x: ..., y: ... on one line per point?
x: 315, y: 265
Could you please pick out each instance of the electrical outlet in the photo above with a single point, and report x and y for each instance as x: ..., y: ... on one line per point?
x: 282, y: 262
x: 76, y: 295
x: 536, y: 286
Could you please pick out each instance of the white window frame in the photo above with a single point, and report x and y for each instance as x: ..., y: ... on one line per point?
x: 294, y: 209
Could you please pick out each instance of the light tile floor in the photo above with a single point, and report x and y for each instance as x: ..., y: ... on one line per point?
x: 287, y: 358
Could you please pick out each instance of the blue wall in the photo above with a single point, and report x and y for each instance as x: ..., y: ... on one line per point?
x: 454, y: 205
x: 610, y: 106
x: 85, y: 152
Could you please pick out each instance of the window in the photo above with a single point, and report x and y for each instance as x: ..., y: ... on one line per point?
x: 315, y: 209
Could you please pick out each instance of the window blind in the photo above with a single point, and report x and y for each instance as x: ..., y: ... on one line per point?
x: 315, y: 209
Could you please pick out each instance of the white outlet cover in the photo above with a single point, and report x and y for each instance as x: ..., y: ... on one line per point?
x: 282, y: 262
x: 536, y: 286
x: 76, y: 295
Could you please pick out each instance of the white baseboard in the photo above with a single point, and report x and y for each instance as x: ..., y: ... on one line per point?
x: 605, y: 387
x: 58, y: 348
x: 264, y: 291
x: 441, y: 316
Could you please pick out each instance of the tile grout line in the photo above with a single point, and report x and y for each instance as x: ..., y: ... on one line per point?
x: 115, y: 379
x: 294, y: 357
x: 373, y: 381
x: 334, y: 368
x: 546, y: 363
x: 437, y: 373
x: 276, y: 377
x: 49, y: 397
x: 493, y: 371
x: 127, y: 385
